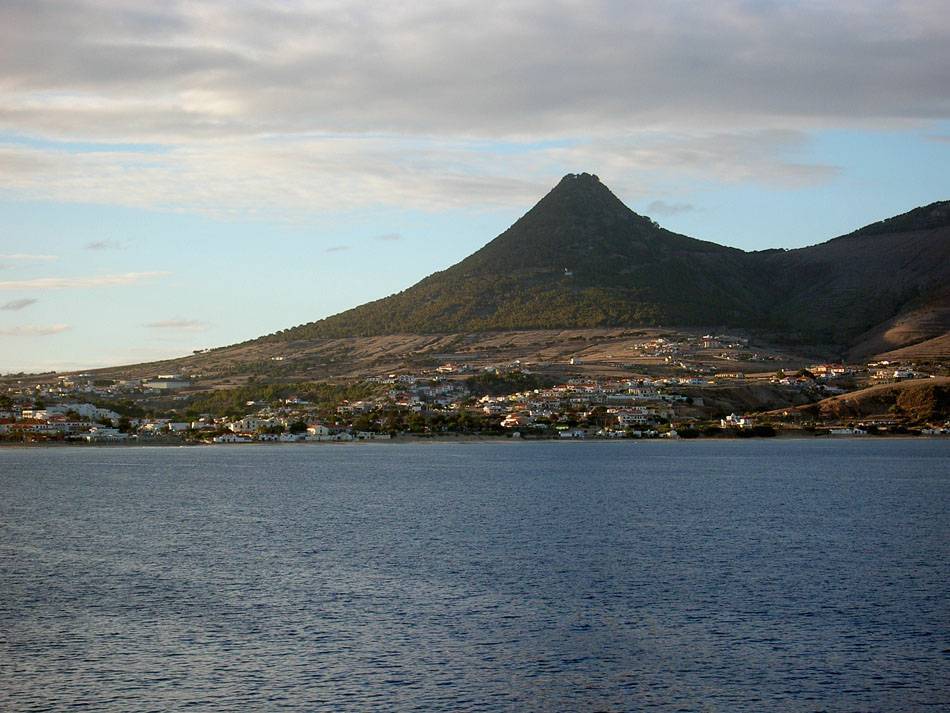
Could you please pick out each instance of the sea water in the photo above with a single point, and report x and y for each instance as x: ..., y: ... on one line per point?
x: 709, y: 575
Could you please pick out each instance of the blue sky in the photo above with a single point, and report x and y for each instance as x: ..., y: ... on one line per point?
x: 196, y: 174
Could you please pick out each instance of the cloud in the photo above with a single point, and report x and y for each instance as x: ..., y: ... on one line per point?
x: 34, y: 330
x: 24, y: 257
x: 767, y: 157
x: 194, y: 71
x: 337, y: 249
x: 104, y: 245
x: 180, y: 325
x: 668, y: 209
x: 940, y: 138
x: 17, y: 305
x: 287, y: 181
x: 219, y: 106
x: 390, y: 237
x: 68, y: 283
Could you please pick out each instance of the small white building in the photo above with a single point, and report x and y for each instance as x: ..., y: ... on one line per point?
x: 848, y: 432
x: 166, y: 384
x: 733, y: 421
x: 104, y: 433
x: 230, y: 438
x: 572, y: 434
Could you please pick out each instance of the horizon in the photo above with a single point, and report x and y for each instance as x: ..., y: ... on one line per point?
x: 189, y: 177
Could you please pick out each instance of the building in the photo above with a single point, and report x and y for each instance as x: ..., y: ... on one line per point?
x: 733, y: 421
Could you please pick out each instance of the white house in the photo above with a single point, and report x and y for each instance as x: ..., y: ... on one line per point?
x: 573, y: 433
x: 104, y: 433
x: 848, y: 432
x: 371, y: 436
x: 733, y: 421
x: 230, y: 438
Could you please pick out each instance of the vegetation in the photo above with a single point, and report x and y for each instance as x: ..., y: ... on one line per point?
x: 393, y: 420
x: 581, y: 259
x: 243, y: 400
x: 491, y: 384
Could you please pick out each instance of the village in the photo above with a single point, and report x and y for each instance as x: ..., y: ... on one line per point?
x: 683, y: 399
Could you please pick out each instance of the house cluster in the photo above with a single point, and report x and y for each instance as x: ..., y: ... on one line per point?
x: 72, y: 421
x: 722, y: 346
x: 316, y: 432
x: 612, y: 409
x: 430, y: 400
x: 576, y: 409
x: 88, y: 386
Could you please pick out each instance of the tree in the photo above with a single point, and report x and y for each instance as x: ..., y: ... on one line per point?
x: 297, y: 427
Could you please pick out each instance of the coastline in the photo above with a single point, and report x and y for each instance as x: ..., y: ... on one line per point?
x: 468, y: 439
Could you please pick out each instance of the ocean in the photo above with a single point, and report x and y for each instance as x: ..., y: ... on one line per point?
x: 754, y: 575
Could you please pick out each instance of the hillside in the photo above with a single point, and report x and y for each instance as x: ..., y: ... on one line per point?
x: 581, y: 259
x: 917, y: 401
x: 853, y: 290
x: 916, y: 333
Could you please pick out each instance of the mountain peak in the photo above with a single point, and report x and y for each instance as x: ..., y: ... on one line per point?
x: 579, y: 184
x: 581, y: 195
x: 580, y: 178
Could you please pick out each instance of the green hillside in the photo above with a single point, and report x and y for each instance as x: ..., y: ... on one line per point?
x: 580, y: 258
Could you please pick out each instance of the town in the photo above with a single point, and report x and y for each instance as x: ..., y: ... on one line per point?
x: 683, y: 397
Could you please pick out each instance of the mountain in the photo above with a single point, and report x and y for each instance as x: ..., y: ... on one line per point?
x: 881, y: 287
x: 580, y: 258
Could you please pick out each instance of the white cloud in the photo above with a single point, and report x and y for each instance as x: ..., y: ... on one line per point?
x: 67, y: 283
x: 179, y: 325
x: 309, y: 105
x: 25, y: 257
x: 34, y: 330
x: 667, y: 209
x: 765, y: 157
x: 390, y: 237
x: 17, y: 305
x: 337, y: 249
x: 290, y: 178
x: 104, y: 245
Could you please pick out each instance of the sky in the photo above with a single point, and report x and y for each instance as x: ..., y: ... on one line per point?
x: 182, y: 175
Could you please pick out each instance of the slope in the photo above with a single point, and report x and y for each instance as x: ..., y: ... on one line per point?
x: 853, y: 289
x: 581, y: 259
